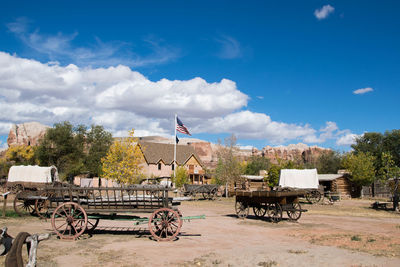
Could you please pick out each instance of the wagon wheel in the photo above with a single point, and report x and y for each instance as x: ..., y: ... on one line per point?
x: 69, y: 220
x: 206, y: 195
x: 259, y: 211
x: 276, y: 212
x: 23, y: 206
x: 295, y: 212
x: 214, y: 194
x: 313, y: 196
x: 242, y: 210
x: 164, y: 224
x: 42, y: 206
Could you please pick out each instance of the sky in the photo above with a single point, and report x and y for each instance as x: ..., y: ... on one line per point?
x: 269, y: 72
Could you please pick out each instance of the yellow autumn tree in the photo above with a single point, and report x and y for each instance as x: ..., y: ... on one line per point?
x: 21, y: 154
x: 123, y: 161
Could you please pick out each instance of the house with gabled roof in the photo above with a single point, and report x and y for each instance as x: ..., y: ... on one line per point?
x: 159, y: 161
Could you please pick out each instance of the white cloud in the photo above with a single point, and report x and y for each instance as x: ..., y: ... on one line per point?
x: 122, y: 99
x: 363, y: 91
x: 61, y: 46
x: 4, y: 127
x: 324, y: 12
x: 250, y: 125
x: 230, y: 47
x: 347, y: 139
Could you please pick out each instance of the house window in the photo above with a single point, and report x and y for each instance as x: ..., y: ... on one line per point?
x: 173, y: 166
x: 159, y: 166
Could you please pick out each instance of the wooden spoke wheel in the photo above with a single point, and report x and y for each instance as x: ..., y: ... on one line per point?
x: 206, y: 195
x: 69, y: 220
x: 164, y: 224
x: 23, y: 206
x: 42, y: 206
x: 91, y: 225
x: 276, y: 212
x: 313, y: 196
x: 242, y: 210
x: 294, y: 213
x: 259, y: 211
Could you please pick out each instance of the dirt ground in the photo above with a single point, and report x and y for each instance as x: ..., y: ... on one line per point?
x: 347, y: 233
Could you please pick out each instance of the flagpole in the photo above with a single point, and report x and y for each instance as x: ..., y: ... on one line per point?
x: 175, y: 147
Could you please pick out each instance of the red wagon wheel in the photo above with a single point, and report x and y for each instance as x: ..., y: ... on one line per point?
x: 69, y: 220
x: 164, y: 224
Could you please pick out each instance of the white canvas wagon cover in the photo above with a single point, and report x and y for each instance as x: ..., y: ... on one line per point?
x: 33, y: 174
x: 302, y: 179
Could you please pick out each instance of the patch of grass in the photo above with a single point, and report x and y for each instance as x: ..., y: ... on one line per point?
x: 398, y: 226
x: 356, y: 238
x: 267, y: 263
x: 371, y: 240
x: 297, y: 251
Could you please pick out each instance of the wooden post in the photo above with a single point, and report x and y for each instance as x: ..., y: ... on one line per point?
x: 5, y: 195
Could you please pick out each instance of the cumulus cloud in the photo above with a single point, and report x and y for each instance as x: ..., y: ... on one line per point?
x: 121, y: 99
x: 347, y: 139
x: 324, y: 12
x: 61, y: 46
x: 250, y: 125
x: 230, y: 47
x: 363, y: 91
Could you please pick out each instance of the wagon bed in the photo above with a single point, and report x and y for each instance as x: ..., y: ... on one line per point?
x: 75, y: 210
x: 208, y: 191
x: 270, y: 203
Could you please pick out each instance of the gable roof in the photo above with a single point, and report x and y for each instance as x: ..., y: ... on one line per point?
x: 154, y: 152
x: 328, y: 177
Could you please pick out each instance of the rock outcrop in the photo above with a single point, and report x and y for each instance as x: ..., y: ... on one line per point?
x: 208, y: 152
x: 295, y: 152
x: 26, y: 134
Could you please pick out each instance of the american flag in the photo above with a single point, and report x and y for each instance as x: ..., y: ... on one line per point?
x: 180, y: 127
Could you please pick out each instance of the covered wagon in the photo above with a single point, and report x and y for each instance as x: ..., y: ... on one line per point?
x: 306, y: 179
x: 28, y: 180
x: 31, y: 177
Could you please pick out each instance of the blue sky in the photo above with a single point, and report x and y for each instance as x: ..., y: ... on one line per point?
x: 270, y: 72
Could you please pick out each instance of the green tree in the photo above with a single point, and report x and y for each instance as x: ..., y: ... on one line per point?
x: 256, y: 164
x: 123, y: 162
x: 274, y: 172
x: 389, y: 168
x: 98, y: 142
x: 329, y: 162
x: 361, y: 168
x: 74, y: 150
x: 181, y: 178
x: 391, y: 144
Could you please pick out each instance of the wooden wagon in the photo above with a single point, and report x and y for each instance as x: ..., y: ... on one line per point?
x: 270, y: 203
x: 208, y: 191
x: 75, y: 210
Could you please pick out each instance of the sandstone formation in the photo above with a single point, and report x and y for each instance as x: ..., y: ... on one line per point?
x: 26, y: 133
x: 208, y: 152
x: 297, y: 152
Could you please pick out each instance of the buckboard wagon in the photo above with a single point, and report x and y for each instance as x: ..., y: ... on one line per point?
x: 75, y: 210
x: 270, y: 203
x: 208, y: 191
